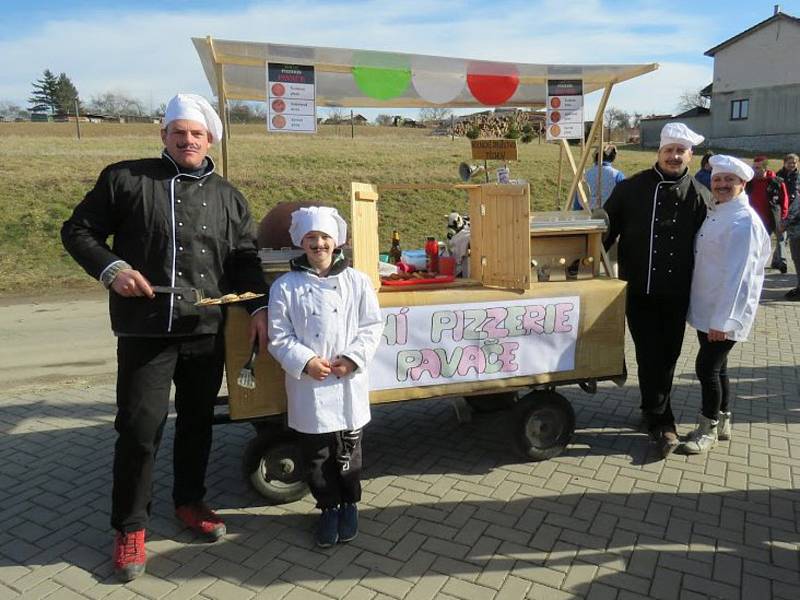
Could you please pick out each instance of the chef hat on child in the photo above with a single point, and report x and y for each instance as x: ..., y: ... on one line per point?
x: 720, y: 163
x: 194, y: 108
x: 678, y: 133
x: 318, y: 218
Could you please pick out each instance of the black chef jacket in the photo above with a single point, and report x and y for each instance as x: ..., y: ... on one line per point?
x: 656, y: 219
x: 177, y: 229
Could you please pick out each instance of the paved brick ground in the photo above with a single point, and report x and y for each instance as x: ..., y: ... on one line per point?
x: 449, y: 510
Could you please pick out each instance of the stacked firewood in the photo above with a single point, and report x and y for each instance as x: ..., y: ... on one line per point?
x: 494, y: 125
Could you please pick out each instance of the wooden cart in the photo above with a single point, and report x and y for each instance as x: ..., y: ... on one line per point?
x: 535, y: 313
x: 592, y: 308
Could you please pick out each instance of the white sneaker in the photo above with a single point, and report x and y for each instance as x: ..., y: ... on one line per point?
x: 703, y: 438
x: 724, y: 427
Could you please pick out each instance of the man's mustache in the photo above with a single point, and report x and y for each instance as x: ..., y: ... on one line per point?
x: 190, y: 146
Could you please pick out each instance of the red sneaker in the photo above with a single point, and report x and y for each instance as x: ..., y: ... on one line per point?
x: 129, y: 555
x: 198, y: 517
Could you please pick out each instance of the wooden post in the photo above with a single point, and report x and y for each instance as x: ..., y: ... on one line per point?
x: 575, y: 174
x: 227, y: 120
x: 560, y: 170
x: 598, y: 122
x: 221, y: 102
x: 599, y: 180
x: 77, y: 122
x: 452, y: 128
x: 352, y: 126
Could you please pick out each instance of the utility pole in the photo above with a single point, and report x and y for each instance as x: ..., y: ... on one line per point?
x: 77, y: 121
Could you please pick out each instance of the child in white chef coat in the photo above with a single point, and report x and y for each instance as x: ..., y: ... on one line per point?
x: 324, y: 328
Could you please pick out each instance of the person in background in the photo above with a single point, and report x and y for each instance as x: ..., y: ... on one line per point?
x: 791, y: 225
x: 768, y: 197
x: 177, y: 223
x: 606, y: 175
x: 731, y: 251
x: 655, y: 215
x: 324, y: 328
x: 703, y: 174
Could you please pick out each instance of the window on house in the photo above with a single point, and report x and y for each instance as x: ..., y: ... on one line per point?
x: 740, y: 109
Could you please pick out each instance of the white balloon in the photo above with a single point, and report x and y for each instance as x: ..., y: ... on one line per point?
x: 438, y: 80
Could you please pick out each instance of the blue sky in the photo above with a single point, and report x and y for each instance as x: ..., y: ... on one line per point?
x: 142, y: 48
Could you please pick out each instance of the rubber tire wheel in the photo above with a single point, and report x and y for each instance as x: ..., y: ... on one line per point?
x: 544, y: 423
x: 264, y: 460
x: 487, y: 403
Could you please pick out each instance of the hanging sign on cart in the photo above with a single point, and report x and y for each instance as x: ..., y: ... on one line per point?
x: 438, y: 344
x: 564, y: 109
x: 291, y: 98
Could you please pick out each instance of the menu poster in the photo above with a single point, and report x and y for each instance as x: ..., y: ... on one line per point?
x: 291, y: 98
x: 564, y: 109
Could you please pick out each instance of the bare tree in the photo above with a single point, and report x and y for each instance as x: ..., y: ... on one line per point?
x: 693, y: 99
x: 336, y: 114
x: 12, y: 110
x: 434, y: 114
x: 616, y: 119
x: 241, y: 112
x: 116, y: 104
x: 383, y: 119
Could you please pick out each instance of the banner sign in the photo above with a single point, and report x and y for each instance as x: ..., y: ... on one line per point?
x: 457, y: 343
x: 564, y: 109
x: 291, y: 98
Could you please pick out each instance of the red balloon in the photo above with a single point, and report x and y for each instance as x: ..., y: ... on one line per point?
x: 492, y: 90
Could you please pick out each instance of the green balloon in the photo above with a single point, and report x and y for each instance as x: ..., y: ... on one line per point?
x: 382, y: 84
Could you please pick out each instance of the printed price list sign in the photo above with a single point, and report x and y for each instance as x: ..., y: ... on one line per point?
x: 291, y: 98
x: 564, y: 109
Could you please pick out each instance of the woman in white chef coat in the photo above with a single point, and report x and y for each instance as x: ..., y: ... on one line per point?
x: 731, y: 250
x: 324, y: 328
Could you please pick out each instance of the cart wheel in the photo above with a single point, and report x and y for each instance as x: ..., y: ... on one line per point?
x: 545, y: 422
x: 486, y: 403
x: 273, y: 463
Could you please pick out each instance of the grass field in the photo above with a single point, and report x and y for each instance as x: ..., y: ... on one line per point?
x: 46, y: 171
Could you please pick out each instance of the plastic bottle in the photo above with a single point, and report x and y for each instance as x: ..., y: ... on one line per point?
x: 432, y: 255
x: 395, y: 253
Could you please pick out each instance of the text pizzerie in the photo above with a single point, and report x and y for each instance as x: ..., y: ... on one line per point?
x: 432, y: 345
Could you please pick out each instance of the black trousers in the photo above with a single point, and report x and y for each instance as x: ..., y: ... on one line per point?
x: 711, y: 366
x: 794, y: 249
x: 145, y: 369
x: 657, y: 325
x: 332, y: 464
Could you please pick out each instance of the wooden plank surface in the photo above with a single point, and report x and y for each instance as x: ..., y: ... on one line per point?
x: 364, y: 229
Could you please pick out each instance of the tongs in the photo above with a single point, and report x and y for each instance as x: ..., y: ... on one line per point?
x: 189, y: 293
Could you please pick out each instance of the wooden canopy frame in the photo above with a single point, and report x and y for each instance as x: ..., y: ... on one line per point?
x: 236, y: 70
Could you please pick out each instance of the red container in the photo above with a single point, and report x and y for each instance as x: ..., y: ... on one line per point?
x: 432, y: 255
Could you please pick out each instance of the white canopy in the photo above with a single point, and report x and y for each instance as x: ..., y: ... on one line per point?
x: 366, y: 78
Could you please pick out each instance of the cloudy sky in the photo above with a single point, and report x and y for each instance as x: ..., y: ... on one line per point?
x: 142, y: 47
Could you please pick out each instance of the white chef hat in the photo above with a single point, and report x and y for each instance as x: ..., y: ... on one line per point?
x: 678, y: 133
x: 193, y: 108
x: 720, y: 163
x: 318, y: 218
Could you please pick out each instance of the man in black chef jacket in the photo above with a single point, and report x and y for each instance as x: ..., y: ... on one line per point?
x: 655, y: 215
x: 175, y: 223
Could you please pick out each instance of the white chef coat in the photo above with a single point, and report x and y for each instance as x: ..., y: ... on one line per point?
x: 327, y: 317
x: 731, y: 251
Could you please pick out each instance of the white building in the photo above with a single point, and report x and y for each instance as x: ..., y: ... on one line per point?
x: 755, y: 94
